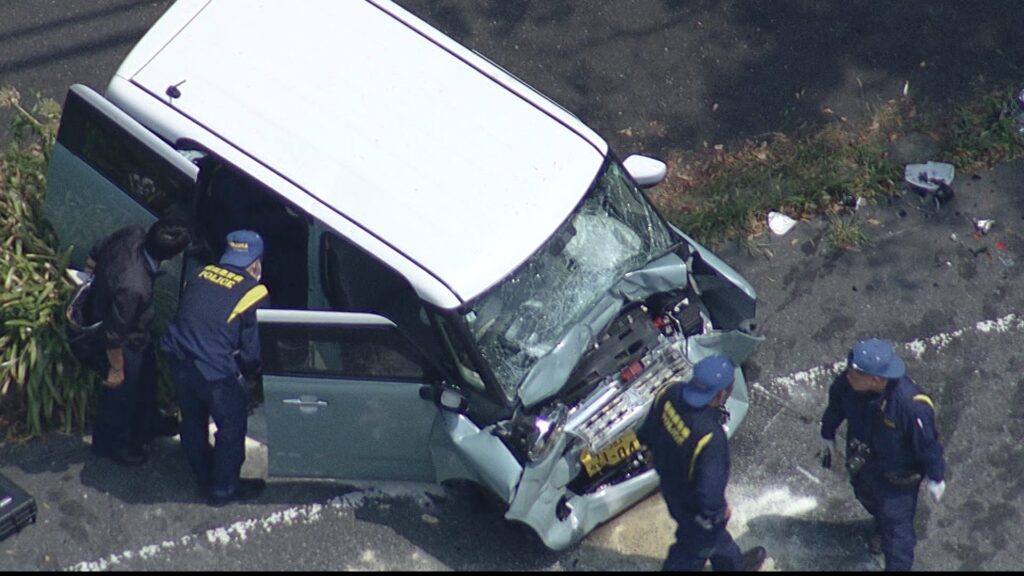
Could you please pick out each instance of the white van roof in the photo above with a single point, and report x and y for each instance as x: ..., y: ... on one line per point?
x: 416, y: 139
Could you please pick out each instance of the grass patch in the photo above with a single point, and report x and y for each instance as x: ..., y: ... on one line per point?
x: 718, y: 195
x: 845, y: 233
x: 983, y: 132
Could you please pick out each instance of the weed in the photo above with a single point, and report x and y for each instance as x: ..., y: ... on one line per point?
x: 983, y: 132
x: 845, y: 233
x: 41, y: 385
x: 718, y: 194
x: 723, y: 195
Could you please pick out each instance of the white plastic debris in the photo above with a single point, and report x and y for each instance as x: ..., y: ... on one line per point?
x: 779, y: 223
x: 929, y: 176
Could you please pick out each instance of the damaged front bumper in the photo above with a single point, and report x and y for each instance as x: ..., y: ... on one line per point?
x: 570, y: 459
x: 561, y: 497
x: 563, y: 494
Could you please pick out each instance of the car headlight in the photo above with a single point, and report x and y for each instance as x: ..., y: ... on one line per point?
x: 548, y: 427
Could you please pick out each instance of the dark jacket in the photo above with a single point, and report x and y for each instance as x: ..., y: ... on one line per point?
x: 216, y: 323
x: 691, y: 455
x: 898, y: 426
x: 122, y: 292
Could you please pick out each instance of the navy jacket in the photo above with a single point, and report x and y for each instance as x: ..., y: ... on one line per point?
x: 216, y: 323
x: 898, y: 425
x: 691, y: 455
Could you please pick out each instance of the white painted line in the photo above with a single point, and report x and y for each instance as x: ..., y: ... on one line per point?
x: 237, y: 532
x: 222, y: 535
x: 822, y: 375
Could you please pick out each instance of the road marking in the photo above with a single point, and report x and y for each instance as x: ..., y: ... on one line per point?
x: 824, y: 374
x: 238, y: 532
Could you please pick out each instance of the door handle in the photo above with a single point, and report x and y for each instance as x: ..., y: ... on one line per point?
x: 305, y: 403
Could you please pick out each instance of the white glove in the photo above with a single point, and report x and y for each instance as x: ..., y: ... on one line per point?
x: 936, y: 489
x: 828, y: 450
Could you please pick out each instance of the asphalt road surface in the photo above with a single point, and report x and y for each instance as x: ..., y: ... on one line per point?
x: 651, y: 76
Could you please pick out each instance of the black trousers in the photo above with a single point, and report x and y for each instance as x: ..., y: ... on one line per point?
x: 126, y: 416
x: 218, y: 467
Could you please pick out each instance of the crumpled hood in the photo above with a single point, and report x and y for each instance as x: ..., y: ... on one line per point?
x: 551, y: 373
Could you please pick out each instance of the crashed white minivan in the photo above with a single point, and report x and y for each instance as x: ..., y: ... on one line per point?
x: 466, y: 283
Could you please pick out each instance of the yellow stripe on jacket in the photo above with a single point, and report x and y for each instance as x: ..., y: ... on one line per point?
x: 251, y: 298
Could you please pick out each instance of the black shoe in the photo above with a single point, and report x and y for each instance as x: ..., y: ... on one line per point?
x: 248, y: 489
x: 875, y: 544
x: 127, y: 456
x: 753, y: 559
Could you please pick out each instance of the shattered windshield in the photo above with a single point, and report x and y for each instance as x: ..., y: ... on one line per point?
x: 613, y: 231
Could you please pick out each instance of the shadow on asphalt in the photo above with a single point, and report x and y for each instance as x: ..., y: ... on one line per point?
x: 662, y: 74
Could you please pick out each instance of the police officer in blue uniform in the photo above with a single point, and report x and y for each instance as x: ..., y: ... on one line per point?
x: 685, y: 433
x: 213, y: 347
x: 891, y: 445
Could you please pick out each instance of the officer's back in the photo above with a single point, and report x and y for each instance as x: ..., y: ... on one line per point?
x: 689, y: 433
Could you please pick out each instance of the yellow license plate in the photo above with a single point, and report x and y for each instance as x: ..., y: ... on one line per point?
x: 623, y: 447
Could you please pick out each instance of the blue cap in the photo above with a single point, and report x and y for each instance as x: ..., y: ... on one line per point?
x: 244, y: 247
x: 710, y: 376
x: 876, y: 357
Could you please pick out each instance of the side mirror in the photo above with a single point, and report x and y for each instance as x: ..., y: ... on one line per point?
x: 452, y: 401
x: 446, y: 398
x: 646, y: 171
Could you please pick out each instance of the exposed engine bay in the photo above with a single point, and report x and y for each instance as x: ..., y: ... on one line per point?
x: 612, y: 388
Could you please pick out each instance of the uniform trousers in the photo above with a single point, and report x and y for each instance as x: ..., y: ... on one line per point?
x: 694, y: 546
x: 893, y: 508
x: 217, y: 467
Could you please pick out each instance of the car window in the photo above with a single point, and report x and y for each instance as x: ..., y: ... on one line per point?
x: 232, y: 200
x: 339, y: 351
x: 140, y: 172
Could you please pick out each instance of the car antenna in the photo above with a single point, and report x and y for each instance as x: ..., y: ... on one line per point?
x: 173, y: 92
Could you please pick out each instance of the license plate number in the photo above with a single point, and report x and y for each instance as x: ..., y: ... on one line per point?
x: 622, y: 448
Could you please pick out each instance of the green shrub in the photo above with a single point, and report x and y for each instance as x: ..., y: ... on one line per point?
x: 41, y: 384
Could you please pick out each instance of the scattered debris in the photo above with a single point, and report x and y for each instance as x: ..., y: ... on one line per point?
x: 808, y: 474
x: 934, y: 177
x: 983, y: 226
x: 779, y: 223
x: 853, y: 202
